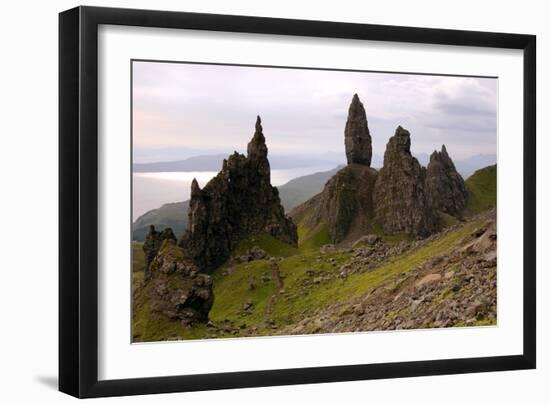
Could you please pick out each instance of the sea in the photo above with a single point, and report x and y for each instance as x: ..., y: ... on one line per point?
x: 152, y: 190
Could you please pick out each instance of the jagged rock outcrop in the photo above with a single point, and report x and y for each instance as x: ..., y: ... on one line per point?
x: 445, y: 187
x: 400, y: 201
x: 152, y: 244
x: 176, y: 288
x: 237, y: 202
x: 357, y: 137
x: 345, y: 205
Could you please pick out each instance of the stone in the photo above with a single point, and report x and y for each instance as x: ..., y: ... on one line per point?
x: 327, y: 249
x: 369, y: 239
x: 181, y: 293
x: 357, y: 137
x: 446, y: 190
x: 257, y: 253
x: 428, y: 279
x: 238, y: 202
x: 400, y: 201
x: 152, y: 244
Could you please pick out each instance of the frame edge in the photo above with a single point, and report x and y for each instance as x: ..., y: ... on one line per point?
x: 69, y: 80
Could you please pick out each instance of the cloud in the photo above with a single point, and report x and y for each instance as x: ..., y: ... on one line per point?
x: 210, y: 107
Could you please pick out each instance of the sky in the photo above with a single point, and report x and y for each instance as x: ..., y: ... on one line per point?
x: 181, y: 110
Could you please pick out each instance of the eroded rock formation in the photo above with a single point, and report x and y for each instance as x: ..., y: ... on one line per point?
x: 176, y: 287
x: 400, y: 198
x: 357, y: 137
x: 345, y: 205
x: 445, y: 187
x: 236, y: 203
x: 152, y: 244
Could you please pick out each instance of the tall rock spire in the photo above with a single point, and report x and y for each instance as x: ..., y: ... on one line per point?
x: 257, y: 148
x: 400, y: 201
x: 357, y: 136
x: 446, y: 189
x: 236, y: 203
x: 195, y: 189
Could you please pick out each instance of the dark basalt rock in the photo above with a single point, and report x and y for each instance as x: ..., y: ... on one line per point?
x: 445, y: 187
x: 236, y: 203
x: 345, y: 205
x: 177, y: 289
x: 152, y: 244
x: 400, y: 201
x: 357, y: 137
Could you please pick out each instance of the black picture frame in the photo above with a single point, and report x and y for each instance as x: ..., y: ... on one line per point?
x: 78, y: 201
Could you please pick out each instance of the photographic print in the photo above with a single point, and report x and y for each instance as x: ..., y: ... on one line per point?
x: 273, y: 201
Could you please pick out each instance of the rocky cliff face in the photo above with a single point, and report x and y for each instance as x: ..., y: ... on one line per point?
x: 400, y: 196
x: 445, y: 187
x: 176, y: 288
x: 345, y: 205
x: 238, y: 202
x: 357, y: 137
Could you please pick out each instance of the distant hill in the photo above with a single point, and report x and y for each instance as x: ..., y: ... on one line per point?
x: 214, y: 163
x: 468, y: 166
x: 174, y: 215
x: 299, y: 190
x: 482, y: 189
x: 197, y: 163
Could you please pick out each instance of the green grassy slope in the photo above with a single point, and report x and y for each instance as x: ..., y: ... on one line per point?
x: 482, y: 188
x: 252, y: 283
x: 269, y: 244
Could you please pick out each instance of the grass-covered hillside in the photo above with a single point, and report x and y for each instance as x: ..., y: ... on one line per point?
x: 173, y: 215
x: 254, y: 299
x: 482, y: 189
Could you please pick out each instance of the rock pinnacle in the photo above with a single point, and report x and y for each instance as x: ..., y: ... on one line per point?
x: 357, y: 137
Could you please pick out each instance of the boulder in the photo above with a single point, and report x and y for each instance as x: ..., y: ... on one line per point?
x: 257, y: 253
x: 369, y: 239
